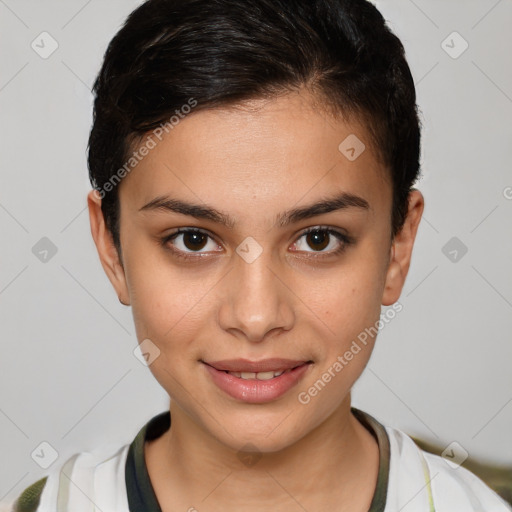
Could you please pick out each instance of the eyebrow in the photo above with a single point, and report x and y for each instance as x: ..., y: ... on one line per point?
x: 341, y: 201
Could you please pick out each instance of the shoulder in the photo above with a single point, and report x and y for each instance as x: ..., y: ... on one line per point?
x: 428, y: 482
x: 457, y: 484
x: 98, y: 476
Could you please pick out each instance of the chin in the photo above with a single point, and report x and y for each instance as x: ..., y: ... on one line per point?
x: 265, y: 432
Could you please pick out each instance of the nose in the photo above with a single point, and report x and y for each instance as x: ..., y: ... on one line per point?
x: 255, y: 300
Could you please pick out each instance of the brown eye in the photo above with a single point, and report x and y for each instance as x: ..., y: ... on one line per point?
x: 194, y: 240
x: 318, y: 240
x: 188, y: 243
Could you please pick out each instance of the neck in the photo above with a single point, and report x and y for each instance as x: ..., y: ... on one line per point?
x: 324, y: 467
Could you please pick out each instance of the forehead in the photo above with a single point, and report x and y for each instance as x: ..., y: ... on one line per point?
x: 259, y: 157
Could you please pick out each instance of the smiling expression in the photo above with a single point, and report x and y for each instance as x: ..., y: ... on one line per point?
x: 247, y: 235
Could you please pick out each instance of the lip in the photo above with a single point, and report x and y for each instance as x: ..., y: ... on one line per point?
x: 265, y: 365
x: 256, y: 391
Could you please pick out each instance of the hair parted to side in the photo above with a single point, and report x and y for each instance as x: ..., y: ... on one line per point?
x: 222, y: 52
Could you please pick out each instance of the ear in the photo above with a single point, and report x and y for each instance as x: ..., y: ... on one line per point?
x: 107, y: 251
x: 401, y: 250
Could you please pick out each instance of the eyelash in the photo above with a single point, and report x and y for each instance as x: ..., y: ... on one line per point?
x: 345, y: 239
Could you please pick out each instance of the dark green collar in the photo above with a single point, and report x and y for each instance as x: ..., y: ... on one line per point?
x: 379, y: 432
x: 141, y: 495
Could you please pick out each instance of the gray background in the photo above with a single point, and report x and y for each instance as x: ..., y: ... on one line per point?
x: 68, y: 376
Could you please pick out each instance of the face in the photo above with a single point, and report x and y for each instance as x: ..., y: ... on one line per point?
x: 252, y: 244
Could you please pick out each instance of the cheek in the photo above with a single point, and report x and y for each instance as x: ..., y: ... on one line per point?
x: 349, y: 300
x: 166, y: 303
x: 171, y: 320
x: 351, y: 310
x: 165, y: 314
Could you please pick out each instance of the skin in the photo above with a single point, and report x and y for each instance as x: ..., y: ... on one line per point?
x: 253, y: 163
